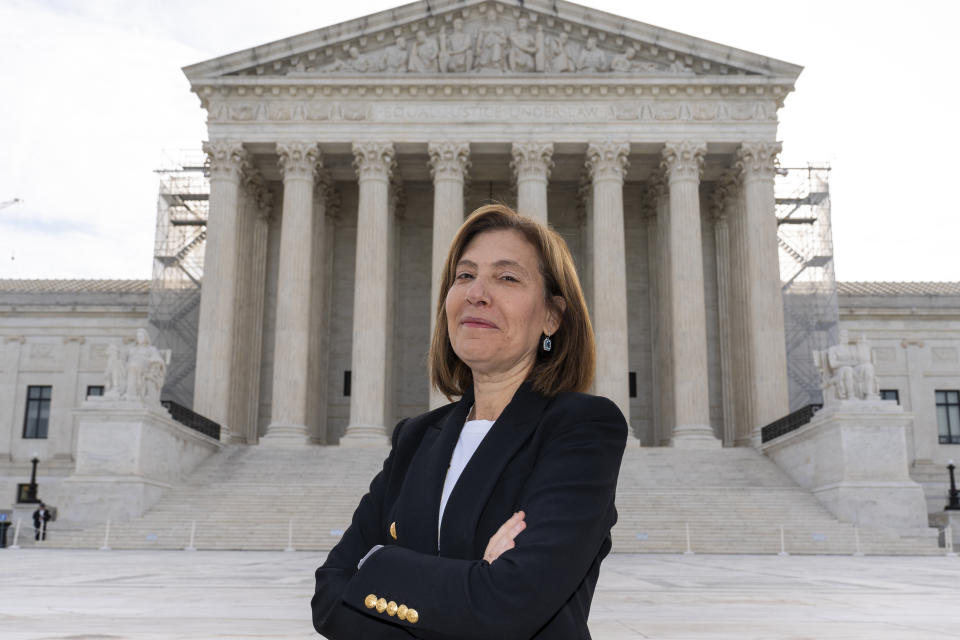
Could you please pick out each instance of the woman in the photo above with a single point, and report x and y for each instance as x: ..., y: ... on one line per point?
x: 491, y: 515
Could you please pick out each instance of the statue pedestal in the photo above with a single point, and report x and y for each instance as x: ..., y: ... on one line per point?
x: 853, y: 457
x: 128, y: 453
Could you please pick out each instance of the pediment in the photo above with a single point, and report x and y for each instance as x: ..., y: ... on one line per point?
x: 490, y: 38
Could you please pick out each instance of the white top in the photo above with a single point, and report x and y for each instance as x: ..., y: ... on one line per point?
x: 470, y: 438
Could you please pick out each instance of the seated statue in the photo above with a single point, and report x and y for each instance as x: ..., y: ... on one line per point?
x: 136, y: 373
x: 847, y: 371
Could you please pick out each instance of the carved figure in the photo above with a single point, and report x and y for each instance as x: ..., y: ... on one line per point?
x: 491, y: 45
x: 136, y: 373
x: 458, y: 56
x: 558, y: 55
x: 522, y: 55
x: 424, y: 55
x: 847, y: 372
x: 116, y: 371
x: 592, y: 58
x: 395, y: 56
x: 355, y: 63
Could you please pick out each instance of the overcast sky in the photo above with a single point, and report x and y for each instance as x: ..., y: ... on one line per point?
x: 91, y: 96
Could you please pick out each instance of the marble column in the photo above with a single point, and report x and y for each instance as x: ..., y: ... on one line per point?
x: 288, y: 422
x: 656, y: 208
x: 449, y: 163
x: 532, y: 162
x: 375, y: 162
x: 607, y: 165
x: 68, y: 396
x: 215, y: 339
x: 766, y: 347
x: 11, y: 349
x: 683, y: 162
x: 720, y: 202
x: 254, y: 227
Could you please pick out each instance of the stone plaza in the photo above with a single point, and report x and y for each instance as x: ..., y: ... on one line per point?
x: 156, y: 595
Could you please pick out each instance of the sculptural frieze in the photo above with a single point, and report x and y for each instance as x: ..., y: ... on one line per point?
x: 136, y: 373
x: 847, y: 371
x: 489, y: 44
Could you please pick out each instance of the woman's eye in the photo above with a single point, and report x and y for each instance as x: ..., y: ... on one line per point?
x: 508, y: 278
x: 464, y: 275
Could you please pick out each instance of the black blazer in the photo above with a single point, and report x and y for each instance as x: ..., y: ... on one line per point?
x: 555, y: 458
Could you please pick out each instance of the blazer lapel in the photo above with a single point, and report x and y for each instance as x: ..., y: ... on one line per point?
x: 418, y: 505
x: 479, y: 477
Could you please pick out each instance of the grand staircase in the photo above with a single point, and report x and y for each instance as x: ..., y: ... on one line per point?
x: 730, y: 501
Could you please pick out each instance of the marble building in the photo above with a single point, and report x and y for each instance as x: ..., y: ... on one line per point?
x: 337, y: 157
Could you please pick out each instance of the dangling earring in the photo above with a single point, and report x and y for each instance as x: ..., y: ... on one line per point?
x: 547, y: 343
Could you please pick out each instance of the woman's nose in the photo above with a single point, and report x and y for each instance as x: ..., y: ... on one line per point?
x: 476, y: 292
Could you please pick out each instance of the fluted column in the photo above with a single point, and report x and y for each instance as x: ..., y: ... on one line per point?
x: 722, y: 195
x: 607, y: 164
x: 532, y: 162
x: 374, y: 162
x: 449, y: 163
x: 683, y: 162
x: 253, y: 224
x: 656, y: 209
x: 288, y: 421
x: 766, y: 347
x: 215, y: 335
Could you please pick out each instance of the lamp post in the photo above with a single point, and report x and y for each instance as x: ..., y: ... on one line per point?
x: 954, y: 503
x: 32, y: 489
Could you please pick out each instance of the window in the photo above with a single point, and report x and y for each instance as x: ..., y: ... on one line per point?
x: 890, y: 394
x: 633, y: 384
x: 948, y: 416
x: 346, y: 383
x: 37, y: 416
x: 95, y: 390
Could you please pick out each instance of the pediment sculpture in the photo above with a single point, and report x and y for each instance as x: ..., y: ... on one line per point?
x: 491, y: 44
x: 136, y: 373
x: 847, y: 371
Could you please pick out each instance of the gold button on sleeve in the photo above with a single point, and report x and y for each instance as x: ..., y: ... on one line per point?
x: 381, y: 605
x: 393, y: 530
x: 402, y: 612
x: 392, y: 608
x: 370, y: 601
x: 412, y: 616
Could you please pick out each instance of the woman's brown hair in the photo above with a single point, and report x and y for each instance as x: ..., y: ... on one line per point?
x: 570, y: 364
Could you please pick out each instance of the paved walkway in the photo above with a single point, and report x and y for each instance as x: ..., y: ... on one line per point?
x: 145, y: 595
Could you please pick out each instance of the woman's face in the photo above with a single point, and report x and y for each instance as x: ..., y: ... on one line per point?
x: 495, y: 307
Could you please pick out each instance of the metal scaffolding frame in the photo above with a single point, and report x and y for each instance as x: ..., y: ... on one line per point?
x: 182, y: 208
x: 805, y: 241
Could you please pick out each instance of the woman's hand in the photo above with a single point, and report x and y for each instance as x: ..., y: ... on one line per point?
x: 502, y: 540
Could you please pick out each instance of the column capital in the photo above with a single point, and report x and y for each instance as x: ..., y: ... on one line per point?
x: 257, y: 189
x: 532, y: 159
x: 724, y: 191
x: 298, y: 160
x: 758, y: 159
x: 607, y: 160
x: 449, y: 159
x: 374, y: 160
x: 683, y: 160
x: 225, y: 158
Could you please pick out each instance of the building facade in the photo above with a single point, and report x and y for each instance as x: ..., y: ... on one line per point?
x: 338, y: 157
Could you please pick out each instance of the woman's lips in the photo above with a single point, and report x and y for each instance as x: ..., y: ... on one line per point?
x: 477, y: 323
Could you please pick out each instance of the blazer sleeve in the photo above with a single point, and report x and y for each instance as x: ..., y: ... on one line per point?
x: 568, y: 500
x: 331, y: 617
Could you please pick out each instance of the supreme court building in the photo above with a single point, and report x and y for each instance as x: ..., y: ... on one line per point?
x: 342, y: 161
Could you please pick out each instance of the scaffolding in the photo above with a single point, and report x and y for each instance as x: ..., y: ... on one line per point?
x: 805, y: 241
x: 182, y: 207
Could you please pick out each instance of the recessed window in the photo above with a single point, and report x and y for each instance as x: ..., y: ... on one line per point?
x: 948, y: 416
x: 346, y: 383
x: 633, y: 384
x: 95, y: 390
x: 36, y: 418
x: 890, y: 394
